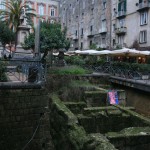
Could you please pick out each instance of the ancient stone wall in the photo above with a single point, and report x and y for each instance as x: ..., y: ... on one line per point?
x: 24, y: 121
x: 67, y: 133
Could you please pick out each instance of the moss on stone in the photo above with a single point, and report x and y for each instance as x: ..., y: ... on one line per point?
x: 98, y: 142
x: 76, y: 107
x: 77, y: 136
x: 64, y: 111
x: 90, y: 110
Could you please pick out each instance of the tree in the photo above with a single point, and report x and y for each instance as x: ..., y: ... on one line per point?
x: 7, y: 36
x: 51, y: 37
x: 16, y: 10
x: 29, y: 42
x: 135, y: 45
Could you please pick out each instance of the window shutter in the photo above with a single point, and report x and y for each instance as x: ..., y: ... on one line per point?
x: 125, y: 5
x: 119, y: 7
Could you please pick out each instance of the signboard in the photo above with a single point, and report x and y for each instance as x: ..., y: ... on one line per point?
x: 113, y: 97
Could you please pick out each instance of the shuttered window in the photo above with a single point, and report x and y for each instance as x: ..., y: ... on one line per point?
x: 143, y: 36
x: 122, y: 6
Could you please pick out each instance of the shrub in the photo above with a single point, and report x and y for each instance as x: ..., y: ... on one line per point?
x: 75, y: 60
x: 68, y: 70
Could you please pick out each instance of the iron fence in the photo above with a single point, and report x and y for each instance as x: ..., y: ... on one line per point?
x: 23, y: 70
x: 119, y: 71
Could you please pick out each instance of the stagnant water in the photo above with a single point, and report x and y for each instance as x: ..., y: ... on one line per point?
x: 137, y: 98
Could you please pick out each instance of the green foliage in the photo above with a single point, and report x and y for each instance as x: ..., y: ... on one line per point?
x: 136, y: 45
x: 29, y: 42
x: 93, y: 46
x: 75, y: 60
x: 51, y: 37
x: 6, y: 35
x: 14, y: 11
x: 71, y: 70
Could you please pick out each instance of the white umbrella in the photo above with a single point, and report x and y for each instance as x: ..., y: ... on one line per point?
x: 146, y: 53
x: 104, y: 52
x: 85, y: 51
x: 126, y: 51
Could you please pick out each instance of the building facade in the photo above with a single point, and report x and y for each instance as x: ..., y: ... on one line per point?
x: 131, y: 23
x: 87, y: 22
x: 109, y: 24
x: 45, y: 10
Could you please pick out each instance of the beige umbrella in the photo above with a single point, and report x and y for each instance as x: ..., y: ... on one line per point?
x: 104, y: 52
x: 126, y: 52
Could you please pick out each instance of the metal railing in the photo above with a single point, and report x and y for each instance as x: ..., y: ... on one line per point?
x: 24, y: 70
x: 119, y: 71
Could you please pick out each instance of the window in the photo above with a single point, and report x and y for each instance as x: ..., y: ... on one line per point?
x: 103, y: 42
x: 73, y: 10
x: 76, y: 33
x: 41, y: 9
x: 90, y: 43
x: 114, y: 27
x: 104, y: 4
x: 143, y: 36
x: 92, y: 11
x: 121, y: 40
x: 81, y: 45
x: 30, y: 5
x: 91, y: 28
x: 143, y: 18
x: 83, y: 4
x: 103, y: 24
x: 122, y: 6
x: 81, y: 31
x: 1, y: 6
x: 121, y: 23
x: 52, y: 12
x: 93, y: 1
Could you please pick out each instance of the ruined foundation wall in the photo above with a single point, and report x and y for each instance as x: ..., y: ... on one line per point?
x: 23, y: 114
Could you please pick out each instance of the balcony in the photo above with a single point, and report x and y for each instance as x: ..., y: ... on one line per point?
x: 121, y: 14
x: 90, y: 34
x: 143, y: 5
x: 121, y: 30
x: 75, y: 38
x: 103, y: 30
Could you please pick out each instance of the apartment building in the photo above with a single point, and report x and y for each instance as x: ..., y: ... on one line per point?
x: 87, y: 22
x: 107, y: 23
x: 45, y: 10
x: 130, y: 22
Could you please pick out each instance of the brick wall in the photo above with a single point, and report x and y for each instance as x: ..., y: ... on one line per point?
x: 21, y: 113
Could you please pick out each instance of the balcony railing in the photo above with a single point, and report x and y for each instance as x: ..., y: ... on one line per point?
x: 103, y: 30
x: 121, y: 30
x: 121, y: 14
x: 75, y: 37
x: 144, y: 5
x: 91, y: 34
